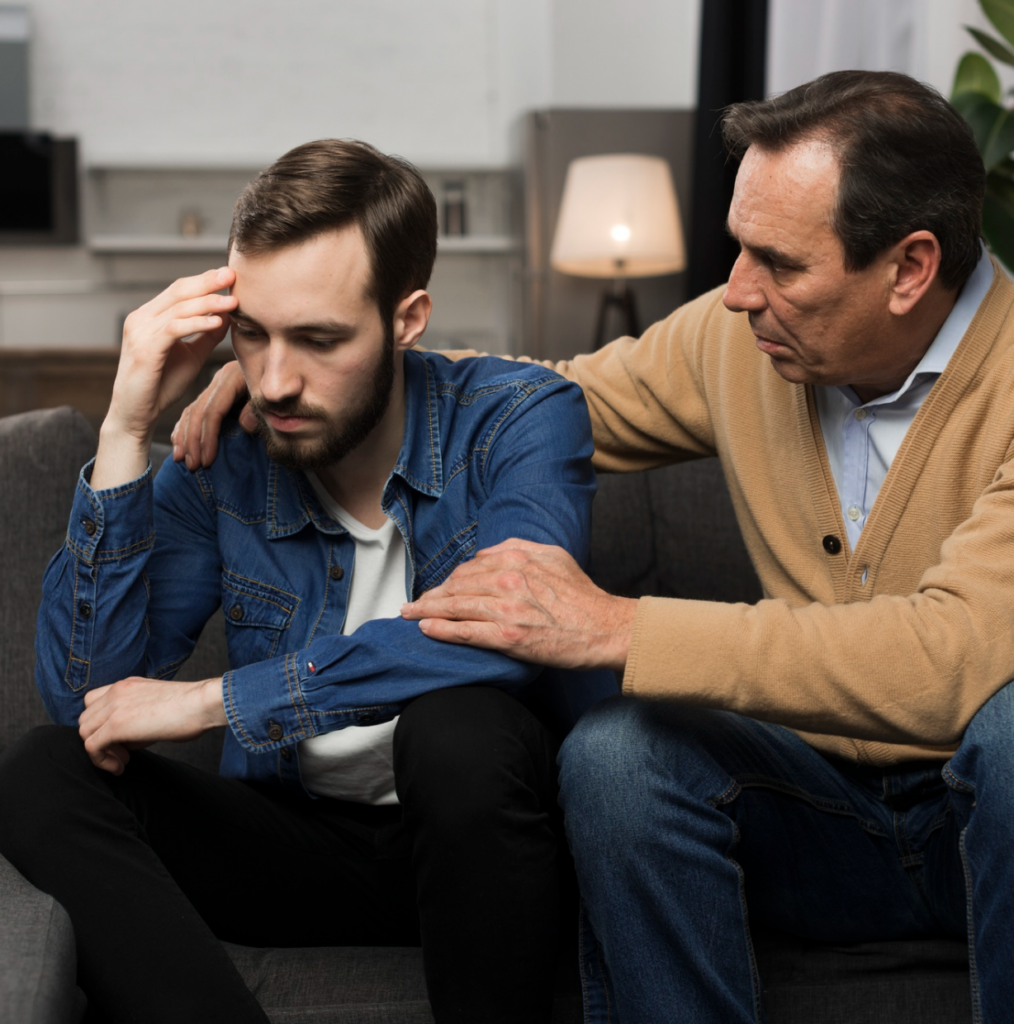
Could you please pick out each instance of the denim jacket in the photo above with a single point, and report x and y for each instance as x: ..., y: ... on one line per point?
x: 491, y: 450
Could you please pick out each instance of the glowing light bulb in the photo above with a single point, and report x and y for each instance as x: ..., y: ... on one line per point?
x: 620, y: 233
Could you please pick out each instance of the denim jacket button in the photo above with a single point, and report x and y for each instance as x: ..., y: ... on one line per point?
x: 274, y: 732
x: 85, y: 609
x: 337, y: 572
x: 236, y: 612
x: 367, y: 718
x: 89, y: 526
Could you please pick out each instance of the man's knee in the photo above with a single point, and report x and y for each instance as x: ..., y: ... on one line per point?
x: 39, y: 754
x: 33, y: 771
x: 984, y: 762
x: 465, y: 751
x: 624, y: 752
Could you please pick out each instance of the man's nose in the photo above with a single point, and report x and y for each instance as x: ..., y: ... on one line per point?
x: 743, y: 293
x: 281, y: 379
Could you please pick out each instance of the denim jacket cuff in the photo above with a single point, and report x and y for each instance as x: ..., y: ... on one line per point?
x: 258, y: 720
x: 111, y: 524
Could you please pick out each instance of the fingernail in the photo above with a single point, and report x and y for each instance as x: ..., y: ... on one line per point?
x: 189, y: 463
x: 176, y: 453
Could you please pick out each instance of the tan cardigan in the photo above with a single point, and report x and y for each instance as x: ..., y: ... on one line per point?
x: 882, y: 672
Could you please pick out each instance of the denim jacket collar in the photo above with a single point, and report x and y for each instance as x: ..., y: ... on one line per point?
x: 290, y: 500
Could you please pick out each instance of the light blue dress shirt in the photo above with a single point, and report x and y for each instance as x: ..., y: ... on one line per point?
x: 862, y: 440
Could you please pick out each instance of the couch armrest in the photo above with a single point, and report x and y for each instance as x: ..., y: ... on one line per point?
x: 37, y: 959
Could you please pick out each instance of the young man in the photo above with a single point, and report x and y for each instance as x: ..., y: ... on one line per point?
x: 370, y: 792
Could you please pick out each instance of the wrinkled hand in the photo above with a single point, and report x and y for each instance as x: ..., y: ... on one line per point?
x: 136, y: 712
x: 195, y: 436
x: 531, y: 601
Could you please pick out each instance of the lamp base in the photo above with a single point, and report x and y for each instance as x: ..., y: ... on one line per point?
x: 620, y: 298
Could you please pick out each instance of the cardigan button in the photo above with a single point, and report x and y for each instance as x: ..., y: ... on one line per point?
x: 274, y: 732
x: 337, y: 572
x: 831, y: 544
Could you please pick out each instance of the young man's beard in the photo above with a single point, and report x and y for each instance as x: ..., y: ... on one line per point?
x: 345, y: 430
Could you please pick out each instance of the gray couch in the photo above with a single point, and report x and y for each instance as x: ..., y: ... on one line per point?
x: 667, y: 532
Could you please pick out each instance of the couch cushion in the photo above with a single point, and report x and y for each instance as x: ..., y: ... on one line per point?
x: 38, y: 963
x: 351, y: 985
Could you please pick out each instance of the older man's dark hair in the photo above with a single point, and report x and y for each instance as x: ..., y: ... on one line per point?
x: 908, y: 161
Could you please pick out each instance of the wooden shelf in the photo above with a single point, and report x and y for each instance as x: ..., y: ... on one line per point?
x: 171, y: 244
x: 157, y: 244
x: 468, y: 244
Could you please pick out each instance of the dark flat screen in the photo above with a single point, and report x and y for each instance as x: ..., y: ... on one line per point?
x: 26, y: 182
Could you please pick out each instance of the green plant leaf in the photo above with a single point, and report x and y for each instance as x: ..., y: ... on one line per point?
x: 992, y: 125
x: 998, y: 218
x: 1004, y: 169
x: 1001, y: 13
x: 992, y: 46
x: 976, y: 74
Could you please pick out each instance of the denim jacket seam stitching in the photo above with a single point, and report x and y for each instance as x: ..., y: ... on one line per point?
x: 296, y: 698
x: 450, y: 541
x: 327, y: 591
x: 116, y: 554
x: 259, y: 584
x: 239, y: 515
x: 322, y: 713
x: 267, y: 600
x: 525, y: 391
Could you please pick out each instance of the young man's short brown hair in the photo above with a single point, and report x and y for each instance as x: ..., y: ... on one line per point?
x: 331, y: 184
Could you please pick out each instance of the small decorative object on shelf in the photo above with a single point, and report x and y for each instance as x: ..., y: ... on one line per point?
x: 191, y: 223
x: 455, y: 214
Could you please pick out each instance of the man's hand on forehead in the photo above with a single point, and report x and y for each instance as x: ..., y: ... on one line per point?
x: 165, y: 343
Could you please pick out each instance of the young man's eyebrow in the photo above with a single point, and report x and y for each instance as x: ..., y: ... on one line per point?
x: 318, y: 327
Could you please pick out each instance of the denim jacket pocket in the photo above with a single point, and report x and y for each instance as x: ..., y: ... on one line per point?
x: 256, y: 617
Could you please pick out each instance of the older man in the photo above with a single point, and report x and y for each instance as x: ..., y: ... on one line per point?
x: 837, y: 757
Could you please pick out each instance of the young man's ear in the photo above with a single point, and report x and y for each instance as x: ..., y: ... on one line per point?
x: 411, y: 316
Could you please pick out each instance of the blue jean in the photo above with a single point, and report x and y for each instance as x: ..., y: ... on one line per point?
x: 681, y: 818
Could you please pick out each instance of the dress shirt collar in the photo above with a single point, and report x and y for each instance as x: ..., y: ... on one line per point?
x: 945, y: 344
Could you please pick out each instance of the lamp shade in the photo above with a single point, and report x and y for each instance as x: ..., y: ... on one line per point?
x: 618, y: 218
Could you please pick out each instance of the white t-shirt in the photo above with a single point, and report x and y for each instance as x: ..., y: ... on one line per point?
x: 357, y: 763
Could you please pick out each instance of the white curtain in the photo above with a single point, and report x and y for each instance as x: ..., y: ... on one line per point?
x: 922, y: 38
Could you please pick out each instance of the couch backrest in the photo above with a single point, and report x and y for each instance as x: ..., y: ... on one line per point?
x: 41, y: 454
x: 669, y: 532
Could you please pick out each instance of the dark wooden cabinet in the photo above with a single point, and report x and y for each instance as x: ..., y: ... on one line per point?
x: 43, y: 378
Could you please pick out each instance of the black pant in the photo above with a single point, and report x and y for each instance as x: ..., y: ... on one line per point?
x: 158, y: 864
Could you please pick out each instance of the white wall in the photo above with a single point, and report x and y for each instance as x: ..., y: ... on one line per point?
x: 923, y: 38
x: 607, y: 53
x: 441, y: 82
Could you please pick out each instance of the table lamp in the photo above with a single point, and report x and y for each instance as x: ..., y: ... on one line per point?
x: 618, y: 219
